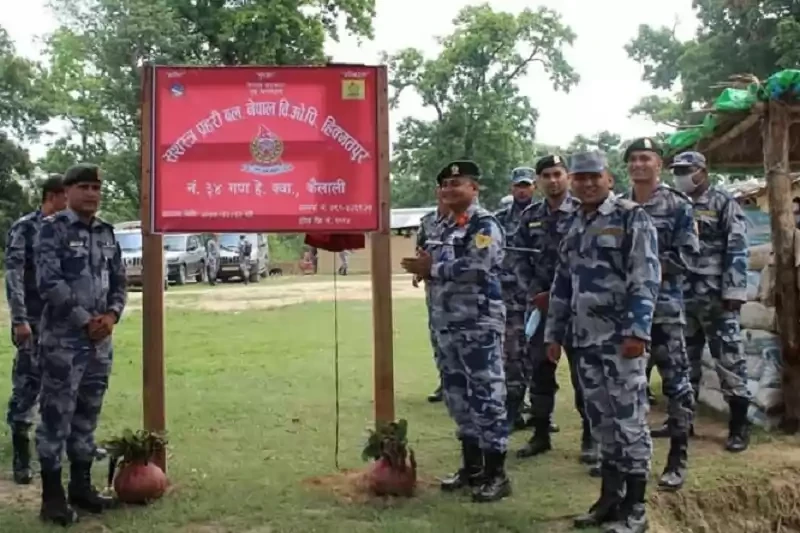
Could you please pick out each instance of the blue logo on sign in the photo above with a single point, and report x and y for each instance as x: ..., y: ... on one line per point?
x: 177, y: 89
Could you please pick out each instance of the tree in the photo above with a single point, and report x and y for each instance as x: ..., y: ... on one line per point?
x: 472, y: 89
x: 96, y: 54
x: 735, y: 37
x: 612, y: 146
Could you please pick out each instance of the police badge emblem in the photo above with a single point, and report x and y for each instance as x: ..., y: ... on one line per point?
x: 266, y: 148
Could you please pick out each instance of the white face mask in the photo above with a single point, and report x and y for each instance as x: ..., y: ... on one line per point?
x: 685, y: 183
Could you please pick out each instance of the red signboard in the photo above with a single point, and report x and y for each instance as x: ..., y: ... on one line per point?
x: 283, y: 149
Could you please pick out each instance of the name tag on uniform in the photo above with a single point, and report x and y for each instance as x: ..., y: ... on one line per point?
x: 706, y: 213
x: 614, y: 232
x: 76, y: 244
x: 104, y: 279
x: 534, y: 224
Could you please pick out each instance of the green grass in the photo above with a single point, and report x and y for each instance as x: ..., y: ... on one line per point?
x: 251, y: 416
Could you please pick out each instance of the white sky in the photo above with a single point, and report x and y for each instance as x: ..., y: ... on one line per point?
x: 610, y: 82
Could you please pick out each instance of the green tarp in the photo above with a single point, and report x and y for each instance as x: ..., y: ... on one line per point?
x: 737, y: 100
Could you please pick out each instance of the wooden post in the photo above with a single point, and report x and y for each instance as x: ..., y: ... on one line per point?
x: 153, y: 390
x: 381, y: 269
x: 787, y: 300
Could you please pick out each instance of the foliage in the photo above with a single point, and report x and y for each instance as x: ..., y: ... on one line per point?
x: 389, y: 442
x: 734, y: 38
x: 16, y: 179
x: 138, y: 447
x: 285, y: 246
x: 96, y: 54
x: 472, y: 90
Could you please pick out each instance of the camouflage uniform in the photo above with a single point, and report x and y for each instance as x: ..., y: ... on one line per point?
x: 429, y: 227
x: 244, y: 261
x: 719, y: 275
x: 542, y: 228
x: 515, y: 345
x: 604, y: 291
x: 678, y: 246
x: 80, y: 275
x: 26, y: 308
x: 212, y: 260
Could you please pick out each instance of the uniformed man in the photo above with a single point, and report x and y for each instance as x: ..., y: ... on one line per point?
x: 81, y: 278
x: 25, y: 307
x: 678, y: 247
x: 715, y: 290
x: 541, y: 228
x: 429, y: 226
x: 244, y: 250
x: 212, y: 259
x: 468, y: 319
x: 517, y: 362
x: 602, y: 299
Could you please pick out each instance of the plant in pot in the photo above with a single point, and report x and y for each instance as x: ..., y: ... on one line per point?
x: 135, y: 478
x: 394, y: 472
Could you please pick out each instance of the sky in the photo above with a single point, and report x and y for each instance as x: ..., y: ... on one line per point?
x: 610, y: 81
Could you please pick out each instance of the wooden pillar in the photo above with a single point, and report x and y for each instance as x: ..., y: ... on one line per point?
x: 787, y: 299
x: 381, y: 267
x: 153, y: 388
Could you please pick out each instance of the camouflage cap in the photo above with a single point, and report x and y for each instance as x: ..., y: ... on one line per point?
x: 459, y: 169
x: 587, y: 163
x: 549, y: 161
x: 689, y: 159
x: 523, y: 175
x: 644, y: 144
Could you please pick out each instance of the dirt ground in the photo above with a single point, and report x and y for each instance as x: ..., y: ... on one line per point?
x: 269, y: 294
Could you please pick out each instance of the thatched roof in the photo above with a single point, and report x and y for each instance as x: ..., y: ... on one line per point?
x: 730, y: 136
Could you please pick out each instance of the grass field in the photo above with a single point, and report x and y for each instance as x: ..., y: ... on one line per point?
x: 251, y: 419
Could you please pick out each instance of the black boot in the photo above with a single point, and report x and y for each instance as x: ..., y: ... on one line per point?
x: 21, y: 443
x: 589, y: 451
x: 496, y: 484
x: 539, y: 442
x: 605, y: 509
x: 82, y: 493
x: 675, y: 472
x: 738, y: 426
x: 471, y: 472
x: 54, y: 502
x: 632, y: 514
x: 436, y: 396
x: 514, y: 403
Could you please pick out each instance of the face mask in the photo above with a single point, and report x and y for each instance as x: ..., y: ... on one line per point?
x: 686, y: 183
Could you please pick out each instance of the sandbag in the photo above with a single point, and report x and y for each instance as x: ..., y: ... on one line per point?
x: 753, y: 283
x: 758, y: 316
x: 766, y: 288
x: 759, y: 256
x: 761, y: 343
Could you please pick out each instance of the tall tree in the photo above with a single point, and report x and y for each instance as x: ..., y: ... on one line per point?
x: 472, y: 88
x: 734, y: 37
x: 612, y: 146
x: 96, y: 54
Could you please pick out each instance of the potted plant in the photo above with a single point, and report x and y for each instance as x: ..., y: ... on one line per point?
x: 138, y: 480
x: 394, y: 472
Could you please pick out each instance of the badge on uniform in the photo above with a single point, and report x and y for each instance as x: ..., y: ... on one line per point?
x: 482, y: 241
x: 76, y: 244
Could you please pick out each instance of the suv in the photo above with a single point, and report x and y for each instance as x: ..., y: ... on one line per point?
x: 186, y: 257
x: 229, y: 256
x: 129, y: 237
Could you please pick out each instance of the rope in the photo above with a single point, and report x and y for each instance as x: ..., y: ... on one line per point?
x: 336, y: 357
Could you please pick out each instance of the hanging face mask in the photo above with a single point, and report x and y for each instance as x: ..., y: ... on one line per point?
x: 684, y: 179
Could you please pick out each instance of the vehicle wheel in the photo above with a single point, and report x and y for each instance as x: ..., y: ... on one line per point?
x: 181, y: 279
x: 254, y: 277
x: 202, y: 274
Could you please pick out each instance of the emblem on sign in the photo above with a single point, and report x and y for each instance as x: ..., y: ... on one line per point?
x: 353, y: 89
x: 266, y: 149
x: 177, y: 90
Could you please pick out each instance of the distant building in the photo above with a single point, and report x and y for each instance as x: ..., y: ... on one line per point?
x: 753, y: 192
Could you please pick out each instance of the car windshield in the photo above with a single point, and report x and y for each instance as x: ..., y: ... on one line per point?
x: 175, y: 243
x: 230, y: 241
x: 130, y: 242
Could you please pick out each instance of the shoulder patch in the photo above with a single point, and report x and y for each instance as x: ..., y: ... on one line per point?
x: 482, y: 241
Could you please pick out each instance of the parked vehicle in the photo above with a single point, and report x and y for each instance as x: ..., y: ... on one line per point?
x: 186, y: 257
x: 129, y: 237
x: 229, y: 256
